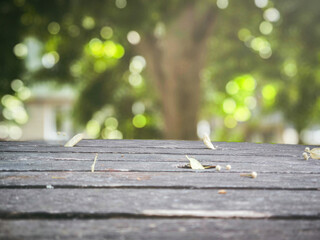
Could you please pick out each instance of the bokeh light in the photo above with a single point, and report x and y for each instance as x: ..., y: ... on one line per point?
x: 271, y: 15
x: 113, y: 134
x: 106, y: 32
x: 139, y: 121
x: 246, y: 82
x: 110, y: 48
x: 137, y: 64
x: 133, y: 37
x: 135, y: 80
x: 251, y: 102
x: 15, y: 132
x: 93, y: 128
x: 88, y: 22
x: 232, y: 88
x: 242, y: 114
x: 20, y: 50
x: 244, y: 34
x: 24, y: 93
x: 121, y: 3
x: 111, y: 123
x: 222, y: 4
x: 50, y: 59
x: 230, y: 121
x: 269, y: 92
x: 16, y: 85
x: 54, y: 28
x: 229, y: 105
x: 138, y: 108
x: 265, y: 52
x: 265, y: 27
x: 160, y: 30
x: 4, y: 131
x: 261, y: 3
x: 290, y: 68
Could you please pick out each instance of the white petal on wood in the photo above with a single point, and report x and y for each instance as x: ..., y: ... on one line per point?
x: 73, y: 141
x: 194, y: 163
x: 207, y: 142
x: 315, y: 153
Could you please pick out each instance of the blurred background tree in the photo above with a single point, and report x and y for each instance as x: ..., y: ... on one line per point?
x: 240, y: 70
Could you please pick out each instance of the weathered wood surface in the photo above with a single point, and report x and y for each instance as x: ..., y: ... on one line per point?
x: 146, y: 229
x: 199, y: 179
x: 139, y: 191
x: 272, y: 203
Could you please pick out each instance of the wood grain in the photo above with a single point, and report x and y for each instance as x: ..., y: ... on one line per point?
x: 112, y: 178
x: 162, y: 202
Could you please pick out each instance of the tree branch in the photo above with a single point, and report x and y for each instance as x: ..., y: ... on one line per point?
x: 205, y: 26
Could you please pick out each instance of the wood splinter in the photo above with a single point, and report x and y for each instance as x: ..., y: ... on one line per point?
x: 94, y: 162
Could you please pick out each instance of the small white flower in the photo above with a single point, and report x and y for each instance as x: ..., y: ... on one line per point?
x: 254, y: 174
x: 218, y: 168
x: 228, y: 167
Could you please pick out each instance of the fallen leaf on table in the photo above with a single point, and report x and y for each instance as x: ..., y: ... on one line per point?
x: 73, y: 141
x: 194, y: 163
x: 314, y: 153
x: 207, y: 142
x: 205, y: 166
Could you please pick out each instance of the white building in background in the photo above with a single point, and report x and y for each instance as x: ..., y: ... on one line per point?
x: 49, y: 111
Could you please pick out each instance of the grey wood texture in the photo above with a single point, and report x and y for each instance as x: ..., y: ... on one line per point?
x: 272, y: 203
x: 146, y: 229
x: 197, y: 179
x: 140, y: 191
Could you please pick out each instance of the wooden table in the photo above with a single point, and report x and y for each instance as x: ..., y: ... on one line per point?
x: 139, y: 191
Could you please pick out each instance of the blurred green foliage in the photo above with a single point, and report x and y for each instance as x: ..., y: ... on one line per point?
x: 262, y: 59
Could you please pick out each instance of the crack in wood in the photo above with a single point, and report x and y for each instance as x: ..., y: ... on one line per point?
x: 155, y: 187
x: 172, y: 214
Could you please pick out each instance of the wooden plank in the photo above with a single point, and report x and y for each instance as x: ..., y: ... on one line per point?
x: 160, y: 202
x: 62, y: 156
x: 112, y: 178
x: 189, y: 151
x: 138, y: 143
x: 187, y: 229
x: 295, y: 166
x: 246, y: 149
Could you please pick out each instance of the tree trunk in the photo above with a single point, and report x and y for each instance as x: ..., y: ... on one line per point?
x: 174, y: 63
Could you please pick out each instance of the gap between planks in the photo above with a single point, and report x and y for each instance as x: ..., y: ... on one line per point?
x: 149, y: 171
x: 186, y: 187
x: 156, y: 153
x: 155, y: 214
